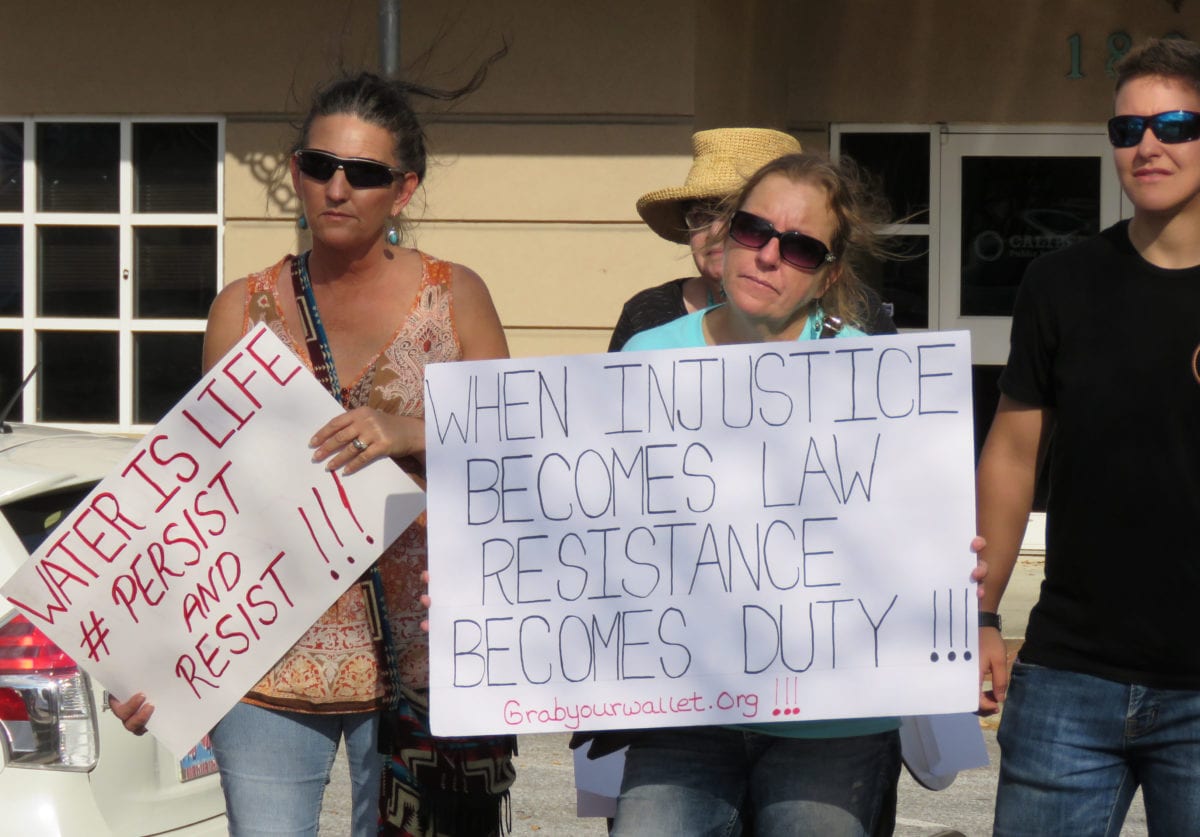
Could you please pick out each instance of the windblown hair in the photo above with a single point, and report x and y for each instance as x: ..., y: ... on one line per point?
x: 860, y: 210
x: 388, y: 103
x: 1172, y: 58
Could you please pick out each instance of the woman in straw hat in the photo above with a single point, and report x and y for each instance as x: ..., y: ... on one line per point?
x: 722, y: 159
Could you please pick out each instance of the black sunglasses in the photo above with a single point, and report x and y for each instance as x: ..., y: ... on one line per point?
x: 795, y: 248
x: 1171, y: 127
x: 360, y: 173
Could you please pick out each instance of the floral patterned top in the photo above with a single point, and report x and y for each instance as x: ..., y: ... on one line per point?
x: 333, y: 667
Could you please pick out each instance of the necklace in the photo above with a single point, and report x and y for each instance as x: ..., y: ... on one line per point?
x: 816, y: 320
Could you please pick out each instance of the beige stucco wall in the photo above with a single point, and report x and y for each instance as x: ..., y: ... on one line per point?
x: 987, y: 61
x: 265, y: 56
x: 854, y: 60
x: 546, y: 217
x: 534, y: 177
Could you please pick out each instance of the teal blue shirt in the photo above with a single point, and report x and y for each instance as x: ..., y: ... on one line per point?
x: 688, y: 333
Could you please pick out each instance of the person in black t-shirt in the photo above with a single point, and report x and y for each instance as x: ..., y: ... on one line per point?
x: 1102, y: 380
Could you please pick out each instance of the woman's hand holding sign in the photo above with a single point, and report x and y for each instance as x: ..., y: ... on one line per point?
x: 134, y: 713
x: 354, y: 439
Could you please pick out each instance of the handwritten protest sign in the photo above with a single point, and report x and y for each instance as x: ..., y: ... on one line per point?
x: 189, y: 571
x: 722, y: 535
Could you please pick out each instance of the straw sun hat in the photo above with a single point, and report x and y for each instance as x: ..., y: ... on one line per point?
x: 722, y: 159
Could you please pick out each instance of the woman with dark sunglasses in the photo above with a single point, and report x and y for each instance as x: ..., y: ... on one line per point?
x: 786, y: 282
x: 366, y: 314
x: 722, y: 158
x: 692, y: 214
x: 687, y: 214
x: 1104, y: 697
x: 794, y: 243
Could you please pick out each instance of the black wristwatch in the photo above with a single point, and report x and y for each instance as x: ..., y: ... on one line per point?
x: 988, y: 619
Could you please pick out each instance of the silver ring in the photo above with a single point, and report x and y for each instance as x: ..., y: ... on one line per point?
x: 359, y: 444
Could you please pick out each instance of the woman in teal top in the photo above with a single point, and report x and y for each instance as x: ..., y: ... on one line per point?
x: 794, y: 240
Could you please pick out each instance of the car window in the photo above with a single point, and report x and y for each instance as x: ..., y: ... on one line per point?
x: 34, y: 518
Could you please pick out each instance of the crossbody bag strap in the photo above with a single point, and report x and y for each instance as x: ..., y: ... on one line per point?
x: 321, y: 357
x: 315, y: 340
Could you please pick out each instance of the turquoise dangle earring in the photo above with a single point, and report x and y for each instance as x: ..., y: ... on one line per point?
x: 302, y: 222
x: 393, y: 233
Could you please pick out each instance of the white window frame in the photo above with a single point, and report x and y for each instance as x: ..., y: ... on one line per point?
x: 990, y: 333
x: 932, y: 229
x: 124, y: 325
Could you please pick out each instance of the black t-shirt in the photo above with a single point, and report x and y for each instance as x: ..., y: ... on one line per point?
x: 647, y: 309
x: 1109, y: 342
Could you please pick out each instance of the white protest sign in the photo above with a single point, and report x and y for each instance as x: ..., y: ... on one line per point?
x: 768, y: 532
x: 189, y: 571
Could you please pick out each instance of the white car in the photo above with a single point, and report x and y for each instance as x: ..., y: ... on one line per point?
x: 67, y: 766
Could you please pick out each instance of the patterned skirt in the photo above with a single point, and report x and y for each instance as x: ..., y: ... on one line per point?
x: 442, y: 787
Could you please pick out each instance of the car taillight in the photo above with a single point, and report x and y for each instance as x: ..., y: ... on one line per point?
x: 47, y: 713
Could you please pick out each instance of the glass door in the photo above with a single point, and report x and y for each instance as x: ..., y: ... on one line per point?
x: 1006, y: 198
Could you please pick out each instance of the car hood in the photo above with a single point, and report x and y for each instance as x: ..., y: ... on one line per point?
x: 35, y: 459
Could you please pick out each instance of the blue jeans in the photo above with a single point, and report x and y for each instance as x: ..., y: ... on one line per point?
x: 698, y: 781
x: 1074, y: 748
x: 275, y: 765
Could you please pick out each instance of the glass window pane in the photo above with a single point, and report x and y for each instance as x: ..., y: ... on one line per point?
x: 175, y: 167
x: 166, y: 366
x: 77, y: 376
x: 10, y: 371
x: 1014, y: 209
x: 904, y: 281
x: 901, y: 163
x: 12, y: 156
x: 78, y: 269
x: 10, y: 272
x: 77, y: 167
x: 175, y: 271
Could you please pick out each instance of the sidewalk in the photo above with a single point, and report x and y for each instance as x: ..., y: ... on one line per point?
x: 543, y: 799
x: 1026, y: 580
